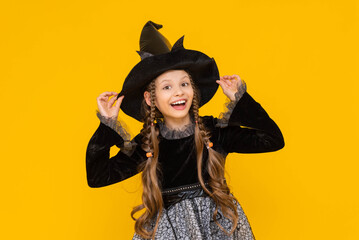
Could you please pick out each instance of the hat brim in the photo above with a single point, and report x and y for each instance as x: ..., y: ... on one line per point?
x: 202, y: 68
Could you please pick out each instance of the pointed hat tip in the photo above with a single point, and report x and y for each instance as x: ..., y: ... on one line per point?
x: 156, y: 25
x: 178, y: 44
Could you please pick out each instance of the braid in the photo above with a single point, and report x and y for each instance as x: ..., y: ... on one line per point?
x: 220, y: 192
x: 151, y: 196
x: 200, y: 136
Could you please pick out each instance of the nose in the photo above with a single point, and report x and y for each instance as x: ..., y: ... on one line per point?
x: 178, y: 91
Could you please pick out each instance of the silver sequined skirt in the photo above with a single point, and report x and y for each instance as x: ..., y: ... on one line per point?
x: 192, y: 219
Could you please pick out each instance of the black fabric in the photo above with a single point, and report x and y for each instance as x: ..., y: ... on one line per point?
x: 152, y: 41
x: 177, y: 157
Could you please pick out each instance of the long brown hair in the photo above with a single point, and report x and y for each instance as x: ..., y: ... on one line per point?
x: 152, y: 201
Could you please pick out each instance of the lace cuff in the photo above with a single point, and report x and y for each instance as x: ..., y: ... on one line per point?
x: 223, y: 118
x: 119, y: 128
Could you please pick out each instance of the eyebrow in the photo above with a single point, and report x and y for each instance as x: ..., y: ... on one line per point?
x: 163, y: 80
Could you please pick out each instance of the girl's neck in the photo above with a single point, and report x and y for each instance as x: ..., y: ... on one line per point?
x: 177, y: 123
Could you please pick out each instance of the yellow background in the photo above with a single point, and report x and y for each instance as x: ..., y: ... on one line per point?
x: 298, y: 58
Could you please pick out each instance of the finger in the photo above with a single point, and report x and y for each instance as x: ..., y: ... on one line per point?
x: 226, y: 77
x: 241, y: 82
x: 119, y: 101
x: 226, y: 82
x: 102, y: 99
x: 220, y: 83
x: 231, y: 81
x: 225, y: 85
x: 112, y: 100
x: 236, y: 80
x: 107, y: 94
x: 237, y: 77
x: 231, y: 77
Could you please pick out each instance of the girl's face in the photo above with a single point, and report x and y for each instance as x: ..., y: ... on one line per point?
x: 174, y: 94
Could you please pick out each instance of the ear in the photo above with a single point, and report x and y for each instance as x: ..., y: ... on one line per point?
x: 147, y: 96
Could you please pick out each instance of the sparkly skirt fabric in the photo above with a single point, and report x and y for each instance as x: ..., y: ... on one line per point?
x: 192, y: 219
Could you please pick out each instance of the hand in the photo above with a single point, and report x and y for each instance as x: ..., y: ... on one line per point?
x: 105, y: 106
x: 230, y: 85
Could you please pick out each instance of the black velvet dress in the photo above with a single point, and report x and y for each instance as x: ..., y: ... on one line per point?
x: 244, y: 128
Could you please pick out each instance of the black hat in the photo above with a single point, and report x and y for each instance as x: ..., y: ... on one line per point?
x: 157, y: 56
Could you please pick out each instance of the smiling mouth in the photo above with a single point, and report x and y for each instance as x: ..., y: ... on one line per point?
x: 179, y: 105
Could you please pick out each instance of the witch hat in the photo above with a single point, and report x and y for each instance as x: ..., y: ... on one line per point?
x: 158, y: 56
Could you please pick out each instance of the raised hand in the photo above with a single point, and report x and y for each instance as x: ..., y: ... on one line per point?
x: 230, y: 85
x: 105, y: 105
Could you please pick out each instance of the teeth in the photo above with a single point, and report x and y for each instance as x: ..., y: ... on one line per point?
x: 178, y: 102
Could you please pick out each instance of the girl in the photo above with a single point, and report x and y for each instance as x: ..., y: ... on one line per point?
x: 181, y: 155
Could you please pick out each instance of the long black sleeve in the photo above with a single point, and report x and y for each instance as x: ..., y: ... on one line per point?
x: 103, y: 170
x: 249, y: 130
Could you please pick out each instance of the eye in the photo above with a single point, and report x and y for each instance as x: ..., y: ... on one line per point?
x: 185, y: 84
x: 166, y: 87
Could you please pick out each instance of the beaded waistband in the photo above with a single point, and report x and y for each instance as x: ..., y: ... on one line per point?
x: 175, y: 195
x: 183, y: 188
